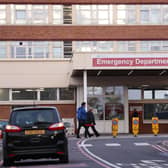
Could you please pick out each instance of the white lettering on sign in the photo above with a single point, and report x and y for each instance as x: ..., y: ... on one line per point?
x: 130, y: 62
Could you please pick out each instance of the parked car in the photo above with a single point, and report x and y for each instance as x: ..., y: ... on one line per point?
x: 3, y: 122
x: 34, y: 132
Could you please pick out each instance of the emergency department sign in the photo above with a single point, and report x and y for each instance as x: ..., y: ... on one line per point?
x: 127, y: 60
x: 119, y: 62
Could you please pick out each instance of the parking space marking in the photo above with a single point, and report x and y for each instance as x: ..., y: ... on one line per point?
x: 113, y: 144
x: 141, y: 144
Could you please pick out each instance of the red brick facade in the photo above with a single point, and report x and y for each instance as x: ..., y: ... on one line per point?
x: 83, y: 32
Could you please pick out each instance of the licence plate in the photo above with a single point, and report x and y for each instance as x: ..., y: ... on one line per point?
x: 34, y: 132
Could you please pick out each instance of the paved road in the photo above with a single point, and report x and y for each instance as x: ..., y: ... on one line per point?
x: 108, y: 152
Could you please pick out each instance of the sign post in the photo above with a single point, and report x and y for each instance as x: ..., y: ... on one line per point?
x: 135, y: 126
x: 114, y: 127
x: 155, y: 125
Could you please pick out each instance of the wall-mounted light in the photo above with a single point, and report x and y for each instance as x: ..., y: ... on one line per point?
x: 162, y: 72
x: 130, y: 72
x: 99, y: 72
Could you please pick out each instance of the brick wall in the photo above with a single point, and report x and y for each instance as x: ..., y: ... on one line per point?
x: 84, y: 32
x: 4, y: 111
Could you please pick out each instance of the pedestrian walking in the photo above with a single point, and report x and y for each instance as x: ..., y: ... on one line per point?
x: 91, y: 122
x: 81, y: 115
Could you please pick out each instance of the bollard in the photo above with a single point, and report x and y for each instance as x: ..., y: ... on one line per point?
x: 155, y: 125
x: 135, y: 126
x: 114, y: 127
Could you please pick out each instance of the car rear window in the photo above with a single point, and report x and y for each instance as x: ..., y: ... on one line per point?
x: 32, y: 116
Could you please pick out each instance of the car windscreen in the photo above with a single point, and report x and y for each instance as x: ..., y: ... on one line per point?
x: 34, y: 116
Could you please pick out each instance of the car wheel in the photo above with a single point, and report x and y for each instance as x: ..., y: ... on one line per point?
x: 64, y: 158
x: 7, y: 161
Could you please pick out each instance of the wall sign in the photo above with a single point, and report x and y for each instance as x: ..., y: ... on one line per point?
x: 126, y: 62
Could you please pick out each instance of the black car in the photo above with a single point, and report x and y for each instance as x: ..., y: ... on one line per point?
x: 33, y: 133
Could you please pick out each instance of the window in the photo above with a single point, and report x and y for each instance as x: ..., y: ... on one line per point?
x: 126, y: 46
x: 30, y: 49
x: 151, y: 110
x: 165, y: 14
x: 148, y: 94
x: 2, y: 14
x: 20, y: 14
x: 39, y: 14
x: 48, y: 94
x: 40, y: 49
x: 94, y: 14
x: 107, y: 102
x: 4, y: 94
x: 57, y: 14
x: 29, y: 14
x: 150, y: 14
x: 134, y: 94
x: 24, y: 94
x: 57, y: 49
x: 67, y: 49
x: 126, y: 14
x: 161, y: 94
x: 66, y: 93
x: 3, y: 50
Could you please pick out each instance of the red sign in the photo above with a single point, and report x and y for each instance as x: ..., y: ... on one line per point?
x: 119, y: 62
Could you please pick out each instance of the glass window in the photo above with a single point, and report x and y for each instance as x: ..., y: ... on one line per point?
x: 95, y: 90
x: 97, y: 104
x: 93, y: 14
x: 3, y: 50
x: 144, y: 46
x: 57, y: 48
x: 2, y: 14
x: 57, y: 14
x: 159, y: 110
x: 103, y: 46
x: 66, y: 93
x: 164, y: 45
x: 24, y: 94
x: 20, y: 14
x: 48, y: 94
x: 4, y: 94
x: 114, y: 103
x: 148, y: 94
x: 161, y: 94
x: 165, y: 14
x: 144, y: 14
x: 155, y: 45
x: 126, y: 14
x: 39, y: 14
x: 134, y: 94
x: 30, y: 117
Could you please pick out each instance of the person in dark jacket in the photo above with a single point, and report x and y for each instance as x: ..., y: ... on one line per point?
x: 81, y: 115
x: 91, y: 122
x: 135, y: 113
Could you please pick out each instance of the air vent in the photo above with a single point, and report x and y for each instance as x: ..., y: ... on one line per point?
x: 67, y: 14
x: 67, y: 49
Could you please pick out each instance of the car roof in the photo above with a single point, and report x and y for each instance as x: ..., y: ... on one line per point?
x: 34, y: 107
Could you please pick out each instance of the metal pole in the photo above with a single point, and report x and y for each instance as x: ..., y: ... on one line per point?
x: 85, y: 86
